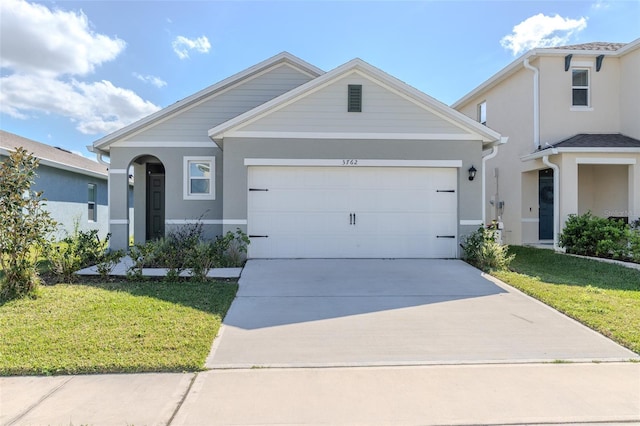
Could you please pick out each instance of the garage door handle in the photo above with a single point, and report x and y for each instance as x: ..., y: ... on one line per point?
x: 257, y: 189
x: 445, y: 236
x: 445, y: 190
x: 354, y: 218
x: 350, y: 218
x: 258, y: 236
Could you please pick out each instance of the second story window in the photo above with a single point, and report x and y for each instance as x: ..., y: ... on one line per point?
x: 482, y: 113
x: 580, y: 87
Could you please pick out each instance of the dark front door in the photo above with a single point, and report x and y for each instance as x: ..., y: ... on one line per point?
x: 545, y: 201
x: 155, y: 201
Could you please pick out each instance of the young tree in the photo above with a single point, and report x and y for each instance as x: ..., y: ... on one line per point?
x: 25, y: 226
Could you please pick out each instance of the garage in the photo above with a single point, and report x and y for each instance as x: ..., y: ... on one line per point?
x: 352, y: 211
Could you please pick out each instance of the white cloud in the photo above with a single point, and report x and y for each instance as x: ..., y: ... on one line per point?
x: 38, y: 40
x: 151, y: 79
x: 182, y: 46
x: 98, y: 107
x: 601, y: 5
x: 542, y: 31
x: 43, y: 52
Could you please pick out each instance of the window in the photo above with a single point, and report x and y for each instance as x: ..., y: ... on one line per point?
x: 482, y: 113
x: 580, y: 87
x: 92, y: 211
x: 354, y: 102
x: 199, y: 182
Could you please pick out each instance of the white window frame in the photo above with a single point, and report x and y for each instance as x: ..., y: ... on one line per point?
x: 482, y: 108
x: 93, y: 203
x: 187, y: 195
x: 586, y: 107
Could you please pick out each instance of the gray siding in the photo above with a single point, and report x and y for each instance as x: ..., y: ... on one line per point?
x: 326, y: 110
x: 66, y: 193
x: 193, y: 124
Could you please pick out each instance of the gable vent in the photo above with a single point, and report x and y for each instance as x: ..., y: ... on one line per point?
x: 354, y: 103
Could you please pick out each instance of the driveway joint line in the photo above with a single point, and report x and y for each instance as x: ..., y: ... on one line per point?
x: 184, y: 397
x: 38, y: 402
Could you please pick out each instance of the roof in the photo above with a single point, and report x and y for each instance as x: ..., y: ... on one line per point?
x: 590, y: 143
x: 596, y: 45
x: 203, y: 94
x: 52, y: 156
x: 594, y: 48
x: 586, y: 140
x: 487, y: 135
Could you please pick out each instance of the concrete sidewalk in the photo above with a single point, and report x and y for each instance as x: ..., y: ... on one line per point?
x: 427, y: 395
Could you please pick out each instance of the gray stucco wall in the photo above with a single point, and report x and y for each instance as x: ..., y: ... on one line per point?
x: 237, y: 149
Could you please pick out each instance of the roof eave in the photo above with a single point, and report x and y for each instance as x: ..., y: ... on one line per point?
x: 585, y: 150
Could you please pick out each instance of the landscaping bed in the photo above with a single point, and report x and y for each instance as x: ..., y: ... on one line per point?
x: 603, y: 296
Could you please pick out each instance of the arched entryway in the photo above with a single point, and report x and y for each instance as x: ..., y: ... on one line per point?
x: 147, y: 203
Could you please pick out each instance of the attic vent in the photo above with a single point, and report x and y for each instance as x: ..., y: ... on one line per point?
x: 354, y: 103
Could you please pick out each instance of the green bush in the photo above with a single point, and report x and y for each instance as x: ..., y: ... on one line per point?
x: 78, y: 250
x: 589, y: 235
x: 482, y: 250
x: 185, y: 248
x: 26, y: 225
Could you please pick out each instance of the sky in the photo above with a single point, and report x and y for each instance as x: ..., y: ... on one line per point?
x: 74, y: 71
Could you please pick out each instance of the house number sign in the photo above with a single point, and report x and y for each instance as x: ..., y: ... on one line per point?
x: 349, y: 162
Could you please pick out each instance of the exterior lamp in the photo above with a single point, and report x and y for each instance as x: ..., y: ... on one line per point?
x: 472, y: 173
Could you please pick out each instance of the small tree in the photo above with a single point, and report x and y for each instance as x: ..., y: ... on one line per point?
x: 25, y: 227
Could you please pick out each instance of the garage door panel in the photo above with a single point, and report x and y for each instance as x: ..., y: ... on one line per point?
x: 353, y: 212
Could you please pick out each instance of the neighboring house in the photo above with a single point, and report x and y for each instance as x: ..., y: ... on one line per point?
x: 573, y: 121
x: 347, y: 163
x: 75, y: 187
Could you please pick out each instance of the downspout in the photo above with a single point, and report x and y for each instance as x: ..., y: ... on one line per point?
x: 536, y: 104
x: 101, y: 160
x: 556, y: 198
x: 492, y: 154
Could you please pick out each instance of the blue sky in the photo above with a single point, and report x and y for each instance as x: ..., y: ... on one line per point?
x: 73, y: 71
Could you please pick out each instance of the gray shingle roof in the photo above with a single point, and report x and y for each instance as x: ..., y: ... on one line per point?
x: 597, y: 45
x: 10, y: 141
x: 584, y: 140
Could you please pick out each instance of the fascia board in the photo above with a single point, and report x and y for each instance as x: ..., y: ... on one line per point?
x: 203, y: 94
x: 368, y: 71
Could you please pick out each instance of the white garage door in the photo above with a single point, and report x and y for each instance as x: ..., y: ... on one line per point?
x: 352, y: 212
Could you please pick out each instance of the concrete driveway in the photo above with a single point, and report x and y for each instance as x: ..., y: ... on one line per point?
x: 348, y: 312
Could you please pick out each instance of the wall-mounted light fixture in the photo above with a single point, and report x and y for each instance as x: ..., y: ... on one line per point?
x: 472, y: 173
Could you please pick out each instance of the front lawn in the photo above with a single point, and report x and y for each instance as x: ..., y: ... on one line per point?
x: 602, y: 296
x: 112, y: 327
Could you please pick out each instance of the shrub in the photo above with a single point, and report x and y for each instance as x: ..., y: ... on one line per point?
x: 26, y: 225
x: 77, y: 251
x: 185, y: 248
x: 589, y: 235
x: 482, y: 250
x: 108, y: 261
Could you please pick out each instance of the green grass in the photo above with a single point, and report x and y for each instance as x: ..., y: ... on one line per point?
x: 112, y: 327
x: 602, y: 296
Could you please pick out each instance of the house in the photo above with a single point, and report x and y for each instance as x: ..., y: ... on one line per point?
x: 75, y: 187
x: 573, y: 122
x: 346, y: 163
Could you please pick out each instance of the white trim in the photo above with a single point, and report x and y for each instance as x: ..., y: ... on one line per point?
x: 163, y: 144
x: 117, y: 171
x: 581, y: 108
x: 118, y: 221
x: 353, y: 135
x: 604, y: 160
x: 186, y: 178
x: 206, y: 221
x: 349, y: 162
x: 530, y: 219
x: 470, y: 222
